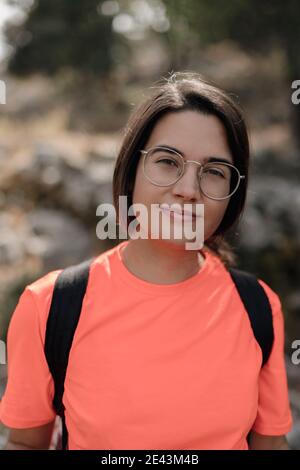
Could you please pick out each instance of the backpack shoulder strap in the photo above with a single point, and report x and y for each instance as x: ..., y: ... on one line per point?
x: 258, y: 307
x: 64, y: 313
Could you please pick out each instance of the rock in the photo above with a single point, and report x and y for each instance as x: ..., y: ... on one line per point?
x: 47, y: 166
x: 57, y: 238
x: 293, y: 437
x: 273, y: 204
x: 12, y: 241
x: 75, y: 185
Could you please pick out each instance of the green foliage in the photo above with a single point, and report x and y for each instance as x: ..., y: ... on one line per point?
x: 74, y: 33
x: 62, y: 33
x: 251, y: 23
x: 254, y: 25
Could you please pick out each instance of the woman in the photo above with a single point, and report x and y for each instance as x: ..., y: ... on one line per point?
x: 163, y: 356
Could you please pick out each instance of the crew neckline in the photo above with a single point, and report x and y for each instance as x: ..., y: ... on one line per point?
x: 149, y: 287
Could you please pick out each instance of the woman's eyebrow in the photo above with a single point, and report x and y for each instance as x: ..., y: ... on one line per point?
x: 206, y: 160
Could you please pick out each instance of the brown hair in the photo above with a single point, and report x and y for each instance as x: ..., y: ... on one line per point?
x: 180, y: 92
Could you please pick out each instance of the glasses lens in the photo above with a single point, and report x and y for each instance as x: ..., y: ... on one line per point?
x: 219, y: 180
x: 163, y: 166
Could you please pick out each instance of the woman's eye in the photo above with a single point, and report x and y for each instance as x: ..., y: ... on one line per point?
x: 215, y: 172
x: 167, y: 161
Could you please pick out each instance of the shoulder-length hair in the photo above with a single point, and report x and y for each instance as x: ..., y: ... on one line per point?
x: 181, y: 92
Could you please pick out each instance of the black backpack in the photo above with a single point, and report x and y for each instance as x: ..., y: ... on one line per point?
x: 65, y: 309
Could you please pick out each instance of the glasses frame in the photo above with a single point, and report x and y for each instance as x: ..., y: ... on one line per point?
x: 146, y: 152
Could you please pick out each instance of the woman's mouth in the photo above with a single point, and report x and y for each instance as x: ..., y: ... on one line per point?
x: 179, y: 215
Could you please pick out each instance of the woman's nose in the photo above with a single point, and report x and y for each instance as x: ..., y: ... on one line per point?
x: 188, y: 186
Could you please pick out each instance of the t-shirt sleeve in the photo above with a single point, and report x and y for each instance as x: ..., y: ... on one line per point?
x: 274, y: 414
x: 27, y: 401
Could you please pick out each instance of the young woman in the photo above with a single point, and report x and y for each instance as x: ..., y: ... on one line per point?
x: 164, y: 356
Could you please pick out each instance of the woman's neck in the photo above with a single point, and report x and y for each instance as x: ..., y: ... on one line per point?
x: 160, y: 262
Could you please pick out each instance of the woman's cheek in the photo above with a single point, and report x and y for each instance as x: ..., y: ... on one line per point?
x: 213, y: 214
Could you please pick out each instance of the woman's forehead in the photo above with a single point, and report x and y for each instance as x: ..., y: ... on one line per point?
x: 195, y: 135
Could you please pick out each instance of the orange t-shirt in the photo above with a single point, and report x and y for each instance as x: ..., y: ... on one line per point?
x: 151, y: 366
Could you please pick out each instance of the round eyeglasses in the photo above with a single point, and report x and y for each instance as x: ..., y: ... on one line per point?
x: 163, y: 166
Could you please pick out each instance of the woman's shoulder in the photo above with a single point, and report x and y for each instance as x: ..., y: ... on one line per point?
x: 272, y: 295
x: 44, y: 284
x: 42, y: 288
x: 274, y: 298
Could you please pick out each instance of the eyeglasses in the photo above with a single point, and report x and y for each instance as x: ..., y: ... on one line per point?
x: 163, y: 166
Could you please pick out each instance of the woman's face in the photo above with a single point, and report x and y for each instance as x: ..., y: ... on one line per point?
x: 197, y: 137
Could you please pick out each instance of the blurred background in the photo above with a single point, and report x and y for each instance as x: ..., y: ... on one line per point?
x: 74, y: 70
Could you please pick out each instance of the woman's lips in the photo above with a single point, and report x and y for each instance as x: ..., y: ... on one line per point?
x: 184, y: 215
